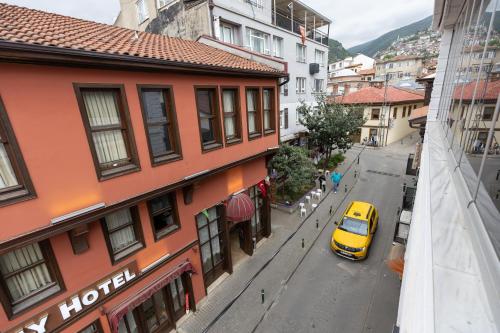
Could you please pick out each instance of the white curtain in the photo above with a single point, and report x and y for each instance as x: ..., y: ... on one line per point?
x: 251, y: 111
x: 30, y: 280
x: 123, y: 237
x: 7, y: 176
x: 229, y: 121
x: 102, y: 110
x: 267, y: 109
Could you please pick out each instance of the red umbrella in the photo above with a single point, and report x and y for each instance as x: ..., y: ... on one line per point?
x: 240, y: 208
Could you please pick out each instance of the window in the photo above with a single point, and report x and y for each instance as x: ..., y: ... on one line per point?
x: 163, y: 215
x: 300, y: 87
x: 142, y: 11
x: 253, y: 112
x: 210, y: 235
x: 95, y: 327
x: 157, y: 106
x: 286, y: 118
x: 227, y: 33
x: 278, y: 46
x: 395, y: 113
x: 282, y: 118
x: 404, y: 112
x: 488, y: 112
x: 375, y: 114
x: 15, y: 183
x: 208, y: 117
x: 256, y: 3
x: 318, y: 85
x: 123, y: 233
x: 319, y: 57
x: 268, y: 110
x: 257, y: 221
x: 29, y: 275
x: 109, y: 131
x: 258, y: 41
x: 301, y: 52
x: 163, y: 3
x: 409, y: 111
x: 284, y: 89
x: 231, y: 112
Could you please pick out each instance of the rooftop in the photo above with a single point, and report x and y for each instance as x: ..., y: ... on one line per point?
x: 486, y: 90
x: 54, y: 33
x: 368, y: 71
x: 399, y: 58
x: 372, y: 95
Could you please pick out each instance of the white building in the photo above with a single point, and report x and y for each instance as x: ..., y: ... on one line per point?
x: 267, y: 30
x: 451, y: 265
x: 356, y: 63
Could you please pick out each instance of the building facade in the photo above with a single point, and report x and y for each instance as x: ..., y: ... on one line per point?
x: 355, y: 63
x: 399, y: 68
x: 123, y: 155
x: 295, y: 34
x: 386, y: 112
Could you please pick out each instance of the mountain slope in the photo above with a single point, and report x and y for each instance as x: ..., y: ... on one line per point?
x: 336, y: 51
x: 384, y: 41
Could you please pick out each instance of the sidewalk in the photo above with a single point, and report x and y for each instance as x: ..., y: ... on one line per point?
x: 244, y: 293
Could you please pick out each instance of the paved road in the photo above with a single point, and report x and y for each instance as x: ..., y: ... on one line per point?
x: 331, y: 294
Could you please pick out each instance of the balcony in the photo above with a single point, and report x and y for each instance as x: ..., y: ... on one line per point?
x: 294, y: 15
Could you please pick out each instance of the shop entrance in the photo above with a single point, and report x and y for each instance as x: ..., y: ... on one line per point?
x: 240, y: 239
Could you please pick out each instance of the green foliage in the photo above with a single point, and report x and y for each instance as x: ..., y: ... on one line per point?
x: 384, y: 41
x: 295, y: 171
x: 333, y: 161
x: 494, y: 42
x: 329, y: 125
x: 336, y: 51
x: 388, y: 56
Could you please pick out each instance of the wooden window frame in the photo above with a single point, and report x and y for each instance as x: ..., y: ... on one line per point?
x: 490, y: 118
x: 97, y: 323
x: 171, y: 124
x: 371, y: 114
x: 24, y: 190
x: 48, y: 292
x: 272, y: 103
x: 237, y: 115
x: 132, y: 248
x: 218, y: 142
x: 175, y: 212
x: 126, y: 127
x: 258, y: 115
x: 395, y: 113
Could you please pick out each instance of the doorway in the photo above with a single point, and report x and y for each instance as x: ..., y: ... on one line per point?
x: 240, y: 239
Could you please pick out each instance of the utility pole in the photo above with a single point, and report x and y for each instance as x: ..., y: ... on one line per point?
x: 381, y: 131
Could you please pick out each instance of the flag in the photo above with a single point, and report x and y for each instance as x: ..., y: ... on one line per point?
x: 302, y: 34
x: 262, y: 188
x: 205, y: 212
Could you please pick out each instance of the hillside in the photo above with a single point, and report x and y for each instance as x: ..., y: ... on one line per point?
x: 336, y: 51
x: 384, y: 41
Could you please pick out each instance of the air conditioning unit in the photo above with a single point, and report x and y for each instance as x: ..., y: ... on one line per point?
x: 313, y: 68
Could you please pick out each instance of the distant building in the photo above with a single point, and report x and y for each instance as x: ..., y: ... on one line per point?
x: 491, y: 58
x: 387, y: 112
x: 355, y: 63
x: 399, y: 68
x: 288, y: 31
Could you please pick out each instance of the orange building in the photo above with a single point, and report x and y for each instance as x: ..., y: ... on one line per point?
x: 132, y: 172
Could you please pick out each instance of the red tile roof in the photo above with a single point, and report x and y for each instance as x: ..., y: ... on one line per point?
x: 55, y: 32
x: 419, y: 113
x: 372, y: 95
x: 491, y: 92
x: 399, y: 58
x: 368, y: 71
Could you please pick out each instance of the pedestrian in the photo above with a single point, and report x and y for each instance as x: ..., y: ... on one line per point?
x: 322, y: 182
x: 336, y: 177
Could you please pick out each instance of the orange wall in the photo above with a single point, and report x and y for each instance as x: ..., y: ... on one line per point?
x: 79, y: 271
x: 42, y: 107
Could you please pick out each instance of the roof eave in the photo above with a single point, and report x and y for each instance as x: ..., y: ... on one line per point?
x: 28, y: 53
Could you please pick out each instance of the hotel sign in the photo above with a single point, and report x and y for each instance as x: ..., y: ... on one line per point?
x: 81, y: 302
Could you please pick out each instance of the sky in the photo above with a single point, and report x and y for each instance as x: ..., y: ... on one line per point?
x: 354, y: 21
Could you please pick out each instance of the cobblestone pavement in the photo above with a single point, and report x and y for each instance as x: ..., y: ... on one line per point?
x: 302, y: 285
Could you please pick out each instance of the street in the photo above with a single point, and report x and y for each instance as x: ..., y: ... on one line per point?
x: 311, y: 289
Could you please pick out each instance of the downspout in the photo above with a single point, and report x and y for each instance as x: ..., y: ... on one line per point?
x: 211, y: 11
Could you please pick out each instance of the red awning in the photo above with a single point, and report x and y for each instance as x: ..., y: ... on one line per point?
x: 240, y: 208
x: 135, y: 300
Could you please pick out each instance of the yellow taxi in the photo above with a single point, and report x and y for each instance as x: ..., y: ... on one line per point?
x: 354, y: 233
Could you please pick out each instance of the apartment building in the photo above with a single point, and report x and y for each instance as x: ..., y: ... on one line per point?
x: 132, y: 172
x: 470, y: 68
x: 355, y: 63
x: 386, y: 111
x: 451, y: 263
x: 399, y: 68
x: 266, y: 29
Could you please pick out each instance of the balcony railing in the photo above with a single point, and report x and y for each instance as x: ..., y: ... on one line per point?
x: 286, y: 22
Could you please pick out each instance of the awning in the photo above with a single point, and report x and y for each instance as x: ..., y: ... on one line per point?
x: 137, y: 299
x: 240, y: 208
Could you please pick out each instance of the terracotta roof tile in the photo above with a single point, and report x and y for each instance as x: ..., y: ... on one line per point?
x: 491, y: 92
x: 372, y: 95
x: 419, y: 113
x: 28, y: 26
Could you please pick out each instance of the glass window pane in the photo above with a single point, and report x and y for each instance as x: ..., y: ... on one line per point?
x: 203, y: 234
x: 214, y: 228
x: 212, y: 213
x: 131, y: 323
x: 101, y: 107
x: 267, y: 119
x: 154, y: 105
x: 216, y: 250
x: 207, y: 131
x: 175, y: 296
x: 122, y: 238
x: 160, y: 203
x: 228, y: 99
x: 148, y: 310
x: 159, y: 140
x: 161, y: 306
x: 206, y: 257
x: 230, y: 127
x: 7, y: 175
x: 110, y: 146
x: 201, y: 220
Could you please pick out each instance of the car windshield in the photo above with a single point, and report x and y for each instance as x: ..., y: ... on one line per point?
x: 355, y: 226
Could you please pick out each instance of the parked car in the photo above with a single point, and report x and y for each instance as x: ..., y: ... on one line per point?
x: 354, y: 233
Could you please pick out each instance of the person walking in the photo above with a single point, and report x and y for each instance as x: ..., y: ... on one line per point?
x: 322, y: 182
x: 336, y: 177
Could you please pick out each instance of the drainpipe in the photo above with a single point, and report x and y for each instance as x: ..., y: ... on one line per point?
x: 211, y: 10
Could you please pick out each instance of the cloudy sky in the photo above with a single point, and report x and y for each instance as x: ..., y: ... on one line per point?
x: 354, y: 21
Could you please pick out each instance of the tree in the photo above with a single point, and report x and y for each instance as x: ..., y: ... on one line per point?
x: 293, y: 168
x: 330, y: 125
